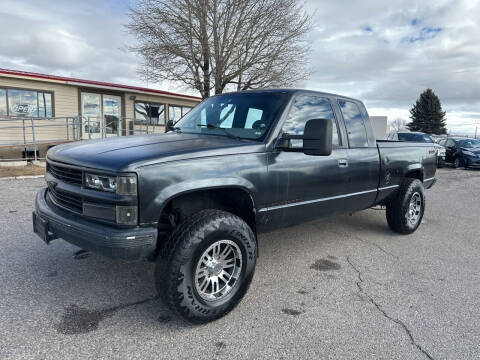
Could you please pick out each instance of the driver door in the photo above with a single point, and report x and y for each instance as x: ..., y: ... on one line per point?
x: 303, y: 186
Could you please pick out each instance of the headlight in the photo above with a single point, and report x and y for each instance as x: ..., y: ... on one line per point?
x: 469, y: 153
x: 122, y: 185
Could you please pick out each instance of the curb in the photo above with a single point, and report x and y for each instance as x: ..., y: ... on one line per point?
x: 22, y: 177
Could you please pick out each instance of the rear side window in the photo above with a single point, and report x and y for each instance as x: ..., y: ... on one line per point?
x: 357, y: 133
x: 308, y: 107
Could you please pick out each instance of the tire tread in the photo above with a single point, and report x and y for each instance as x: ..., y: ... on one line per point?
x: 396, y: 208
x: 180, y: 239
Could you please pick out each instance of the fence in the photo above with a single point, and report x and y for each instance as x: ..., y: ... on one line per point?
x: 29, y: 138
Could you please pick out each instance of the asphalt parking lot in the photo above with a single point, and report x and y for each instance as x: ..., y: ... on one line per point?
x: 343, y: 287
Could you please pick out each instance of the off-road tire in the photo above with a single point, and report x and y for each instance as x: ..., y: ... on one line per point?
x: 179, y: 257
x: 398, y: 208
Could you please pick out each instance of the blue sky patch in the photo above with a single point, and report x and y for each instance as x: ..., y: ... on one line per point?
x: 426, y: 33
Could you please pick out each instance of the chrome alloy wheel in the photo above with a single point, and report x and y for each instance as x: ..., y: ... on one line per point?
x: 218, y: 270
x: 415, y: 209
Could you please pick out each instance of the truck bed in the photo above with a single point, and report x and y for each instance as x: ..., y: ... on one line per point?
x: 398, y: 158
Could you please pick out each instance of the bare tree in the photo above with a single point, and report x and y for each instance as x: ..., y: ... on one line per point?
x: 213, y: 44
x: 398, y: 124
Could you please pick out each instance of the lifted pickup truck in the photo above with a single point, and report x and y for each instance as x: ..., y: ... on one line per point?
x: 194, y: 199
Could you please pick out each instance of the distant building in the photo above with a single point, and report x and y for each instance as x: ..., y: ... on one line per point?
x: 40, y: 104
x: 32, y: 95
x: 380, y: 127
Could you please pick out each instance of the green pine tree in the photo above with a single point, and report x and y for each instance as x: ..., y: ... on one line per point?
x: 427, y: 114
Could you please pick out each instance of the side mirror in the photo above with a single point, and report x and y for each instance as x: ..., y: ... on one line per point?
x: 317, y: 137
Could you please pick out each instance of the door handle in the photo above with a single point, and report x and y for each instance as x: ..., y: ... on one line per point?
x: 343, y: 163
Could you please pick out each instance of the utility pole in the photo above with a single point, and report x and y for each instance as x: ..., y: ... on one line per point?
x: 476, y: 127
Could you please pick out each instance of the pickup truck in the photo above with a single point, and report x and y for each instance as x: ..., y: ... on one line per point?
x: 194, y: 200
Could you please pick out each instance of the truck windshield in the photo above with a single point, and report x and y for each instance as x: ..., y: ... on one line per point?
x: 240, y: 115
x: 470, y: 143
x: 414, y: 137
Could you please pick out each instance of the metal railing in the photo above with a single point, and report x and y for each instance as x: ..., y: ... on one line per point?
x: 29, y: 134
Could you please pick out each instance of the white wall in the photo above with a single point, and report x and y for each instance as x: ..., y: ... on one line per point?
x: 379, y: 124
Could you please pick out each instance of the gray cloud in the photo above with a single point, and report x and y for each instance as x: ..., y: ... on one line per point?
x: 386, y: 53
x: 383, y: 52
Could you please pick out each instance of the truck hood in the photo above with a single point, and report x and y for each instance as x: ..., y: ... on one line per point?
x: 130, y: 152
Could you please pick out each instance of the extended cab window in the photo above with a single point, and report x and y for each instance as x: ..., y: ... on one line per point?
x: 357, y: 133
x: 308, y: 107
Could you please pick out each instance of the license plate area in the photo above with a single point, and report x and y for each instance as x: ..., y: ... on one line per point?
x: 41, y: 228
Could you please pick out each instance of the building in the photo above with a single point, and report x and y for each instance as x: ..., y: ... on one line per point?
x: 101, y: 109
x: 380, y: 127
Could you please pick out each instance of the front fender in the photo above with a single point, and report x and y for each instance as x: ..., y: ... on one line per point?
x: 168, y: 193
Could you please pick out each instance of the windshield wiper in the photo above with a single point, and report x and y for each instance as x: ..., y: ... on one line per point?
x: 211, y: 126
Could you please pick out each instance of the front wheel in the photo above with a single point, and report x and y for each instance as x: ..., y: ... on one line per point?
x: 457, y: 163
x: 405, y: 211
x: 206, y: 266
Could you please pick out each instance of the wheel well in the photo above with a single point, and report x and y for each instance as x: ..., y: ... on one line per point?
x: 234, y: 200
x: 415, y: 174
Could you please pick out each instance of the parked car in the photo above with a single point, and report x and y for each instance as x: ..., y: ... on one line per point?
x: 417, y: 136
x: 462, y: 152
x: 194, y: 199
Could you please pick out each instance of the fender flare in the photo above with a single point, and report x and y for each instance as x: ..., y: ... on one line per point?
x: 415, y: 168
x: 191, y: 186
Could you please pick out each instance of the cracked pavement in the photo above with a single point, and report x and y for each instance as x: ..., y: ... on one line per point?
x: 337, y: 288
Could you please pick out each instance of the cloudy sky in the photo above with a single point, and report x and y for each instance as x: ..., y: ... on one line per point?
x: 382, y: 52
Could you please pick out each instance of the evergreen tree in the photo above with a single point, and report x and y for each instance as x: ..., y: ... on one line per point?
x: 427, y: 114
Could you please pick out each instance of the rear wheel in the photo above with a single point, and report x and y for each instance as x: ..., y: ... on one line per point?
x: 405, y: 211
x: 206, y: 266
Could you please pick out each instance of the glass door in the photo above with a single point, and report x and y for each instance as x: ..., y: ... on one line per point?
x: 101, y: 115
x: 92, y: 116
x: 111, y: 115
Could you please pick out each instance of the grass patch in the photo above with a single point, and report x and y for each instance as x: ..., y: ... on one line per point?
x: 7, y: 171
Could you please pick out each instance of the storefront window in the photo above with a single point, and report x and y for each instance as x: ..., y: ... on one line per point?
x: 149, y: 113
x: 3, y: 102
x: 185, y: 110
x: 44, y: 104
x: 26, y: 103
x: 176, y: 112
x: 22, y: 103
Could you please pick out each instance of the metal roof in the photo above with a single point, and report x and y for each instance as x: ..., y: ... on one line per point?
x: 91, y: 83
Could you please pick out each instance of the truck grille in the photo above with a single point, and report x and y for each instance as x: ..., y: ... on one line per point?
x: 66, y: 200
x: 69, y: 175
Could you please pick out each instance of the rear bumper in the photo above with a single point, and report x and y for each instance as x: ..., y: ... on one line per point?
x: 51, y: 223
